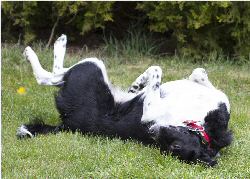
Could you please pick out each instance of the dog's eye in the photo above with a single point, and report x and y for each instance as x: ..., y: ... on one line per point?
x: 175, y: 147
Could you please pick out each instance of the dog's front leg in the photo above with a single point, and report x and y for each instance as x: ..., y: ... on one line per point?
x: 199, y: 75
x: 152, y: 98
x: 141, y: 81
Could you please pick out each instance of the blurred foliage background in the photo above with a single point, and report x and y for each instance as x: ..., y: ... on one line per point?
x: 192, y: 29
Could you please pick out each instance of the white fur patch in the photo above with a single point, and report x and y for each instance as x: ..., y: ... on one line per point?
x: 184, y: 100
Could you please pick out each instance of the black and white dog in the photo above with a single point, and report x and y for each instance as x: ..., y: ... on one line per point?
x: 187, y: 118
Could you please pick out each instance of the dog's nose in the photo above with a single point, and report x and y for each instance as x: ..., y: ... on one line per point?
x: 212, y: 163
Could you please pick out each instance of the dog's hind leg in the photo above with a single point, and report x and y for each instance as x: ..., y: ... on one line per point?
x: 199, y: 75
x: 42, y: 76
x: 59, y: 53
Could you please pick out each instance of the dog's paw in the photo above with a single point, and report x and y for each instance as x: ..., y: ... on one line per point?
x: 154, y: 74
x: 61, y: 42
x: 199, y: 75
x: 29, y: 54
x: 60, y: 46
x: 23, y: 132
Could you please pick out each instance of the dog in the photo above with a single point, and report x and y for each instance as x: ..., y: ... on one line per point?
x: 186, y: 118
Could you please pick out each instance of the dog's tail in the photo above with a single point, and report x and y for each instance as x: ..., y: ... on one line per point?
x: 31, y: 130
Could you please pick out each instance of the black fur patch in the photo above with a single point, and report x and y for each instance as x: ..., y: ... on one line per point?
x: 85, y: 103
x: 216, y: 125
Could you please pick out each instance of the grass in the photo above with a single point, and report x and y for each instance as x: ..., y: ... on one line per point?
x: 68, y: 155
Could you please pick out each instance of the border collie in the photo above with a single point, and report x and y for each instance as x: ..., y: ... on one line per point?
x: 187, y: 118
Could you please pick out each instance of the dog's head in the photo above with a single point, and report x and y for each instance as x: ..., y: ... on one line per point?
x: 184, y: 144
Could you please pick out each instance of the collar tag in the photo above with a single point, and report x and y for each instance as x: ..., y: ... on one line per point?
x: 193, y: 126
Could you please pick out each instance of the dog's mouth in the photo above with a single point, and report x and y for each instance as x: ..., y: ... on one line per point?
x: 191, y: 157
x: 212, y: 163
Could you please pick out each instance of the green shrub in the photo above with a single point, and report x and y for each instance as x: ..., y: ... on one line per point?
x: 198, y: 28
x: 31, y: 18
x: 202, y: 27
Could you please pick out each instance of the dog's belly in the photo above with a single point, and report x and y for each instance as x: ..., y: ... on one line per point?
x: 186, y: 100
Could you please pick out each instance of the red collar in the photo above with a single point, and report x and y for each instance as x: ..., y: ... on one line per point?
x: 193, y: 126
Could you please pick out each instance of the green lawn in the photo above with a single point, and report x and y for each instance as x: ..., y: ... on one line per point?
x: 68, y: 155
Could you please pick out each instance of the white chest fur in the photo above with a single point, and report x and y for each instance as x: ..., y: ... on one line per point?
x: 183, y: 100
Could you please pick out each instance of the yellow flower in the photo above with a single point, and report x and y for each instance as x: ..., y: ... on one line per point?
x: 21, y: 90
